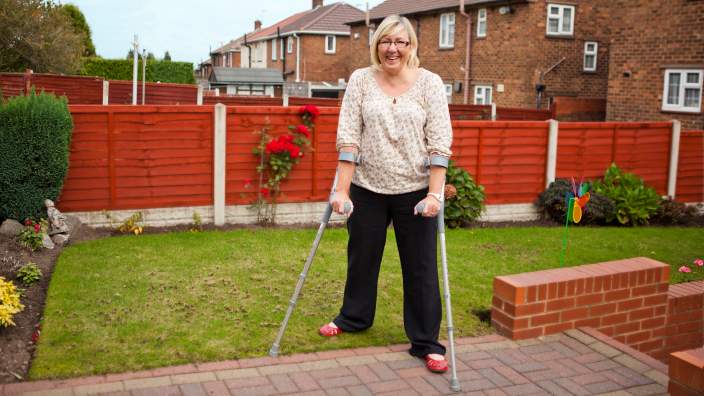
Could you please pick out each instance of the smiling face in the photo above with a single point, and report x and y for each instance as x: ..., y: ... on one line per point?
x: 393, y: 51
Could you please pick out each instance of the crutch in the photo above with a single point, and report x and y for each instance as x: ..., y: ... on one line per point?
x: 274, y: 351
x: 454, y: 383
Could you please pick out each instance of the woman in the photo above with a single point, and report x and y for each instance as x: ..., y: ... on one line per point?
x: 395, y: 117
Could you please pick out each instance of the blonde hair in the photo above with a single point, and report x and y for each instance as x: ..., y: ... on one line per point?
x: 390, y: 25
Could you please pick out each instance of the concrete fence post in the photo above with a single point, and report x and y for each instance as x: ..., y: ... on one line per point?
x: 493, y: 111
x: 106, y: 92
x: 674, y: 158
x: 285, y: 99
x: 199, y: 97
x: 551, y: 164
x: 219, y: 145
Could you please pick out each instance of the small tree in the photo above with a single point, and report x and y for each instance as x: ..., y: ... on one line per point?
x: 80, y: 26
x: 167, y: 56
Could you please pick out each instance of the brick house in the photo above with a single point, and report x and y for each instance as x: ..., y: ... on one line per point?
x: 656, y: 69
x: 512, y: 48
x: 310, y: 49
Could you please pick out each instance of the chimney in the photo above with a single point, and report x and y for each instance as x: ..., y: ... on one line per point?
x: 257, y: 24
x: 317, y: 3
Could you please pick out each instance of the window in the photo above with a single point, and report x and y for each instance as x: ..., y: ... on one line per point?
x: 481, y: 22
x: 683, y: 90
x: 329, y: 44
x: 560, y: 20
x: 448, y: 92
x: 371, y: 36
x: 447, y: 30
x: 273, y: 49
x: 590, y: 48
x: 289, y: 44
x: 482, y: 94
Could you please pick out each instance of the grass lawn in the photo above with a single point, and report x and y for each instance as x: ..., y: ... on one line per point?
x: 139, y: 302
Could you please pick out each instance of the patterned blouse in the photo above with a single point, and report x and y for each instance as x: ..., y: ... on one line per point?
x: 394, y: 135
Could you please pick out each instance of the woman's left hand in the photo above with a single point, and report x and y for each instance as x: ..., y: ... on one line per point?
x: 432, y: 207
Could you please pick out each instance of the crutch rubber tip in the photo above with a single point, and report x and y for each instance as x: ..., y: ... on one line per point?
x: 274, y: 351
x: 455, y: 385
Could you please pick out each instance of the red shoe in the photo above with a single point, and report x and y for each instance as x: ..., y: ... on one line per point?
x: 435, y: 365
x: 329, y: 331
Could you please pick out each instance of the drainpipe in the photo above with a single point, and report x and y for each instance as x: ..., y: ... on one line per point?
x: 249, y: 50
x: 540, y: 87
x: 467, y: 59
x: 298, y: 57
x: 283, y: 56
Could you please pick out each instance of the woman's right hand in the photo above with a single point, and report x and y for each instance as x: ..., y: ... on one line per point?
x: 338, y: 200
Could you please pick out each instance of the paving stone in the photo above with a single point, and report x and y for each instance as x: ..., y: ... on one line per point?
x: 575, y: 388
x: 329, y: 383
x: 171, y: 390
x: 576, y: 345
x: 192, y: 389
x: 98, y: 388
x: 393, y: 356
x: 279, y: 369
x: 622, y: 380
x: 48, y: 392
x: 356, y: 360
x: 547, y: 356
x: 512, y: 375
x: 337, y: 392
x: 497, y: 345
x: 563, y: 349
x: 247, y: 382
x: 603, y: 365
x: 510, y: 357
x: 553, y: 388
x: 494, y: 392
x: 590, y: 358
x: 524, y: 390
x: 638, y: 378
x: 237, y: 373
x: 527, y: 367
x: 469, y: 375
x: 586, y: 379
x: 365, y: 374
x: 574, y: 366
x: 304, y: 381
x: 192, y: 378
x: 383, y: 371
x: 603, y: 387
x: 580, y: 336
x: 402, y: 364
x: 412, y: 372
x: 604, y: 349
x: 422, y: 386
x: 493, y: 376
x: 657, y: 376
x: 484, y: 363
x: 318, y: 365
x: 646, y: 390
x: 216, y: 388
x: 541, y: 375
x: 388, y: 386
x: 560, y: 369
x: 312, y: 393
x: 535, y: 349
x: 632, y: 363
x: 359, y: 390
x: 465, y: 348
x: 147, y: 383
x: 616, y: 393
x: 255, y: 391
x: 472, y: 356
x: 283, y: 383
x: 325, y: 374
x: 528, y: 342
x: 475, y: 385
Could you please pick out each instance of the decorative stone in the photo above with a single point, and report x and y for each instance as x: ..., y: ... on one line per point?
x: 11, y: 227
x: 60, y: 239
x: 74, y: 223
x: 57, y: 220
x: 47, y: 242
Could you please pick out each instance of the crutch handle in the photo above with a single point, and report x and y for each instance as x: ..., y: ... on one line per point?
x: 348, y: 207
x: 420, y: 208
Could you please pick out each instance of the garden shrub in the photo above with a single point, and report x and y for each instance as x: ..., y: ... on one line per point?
x: 553, y: 203
x: 671, y: 212
x: 29, y: 273
x: 121, y: 69
x: 9, y: 302
x: 468, y: 204
x: 635, y: 202
x: 35, y: 134
x: 32, y: 235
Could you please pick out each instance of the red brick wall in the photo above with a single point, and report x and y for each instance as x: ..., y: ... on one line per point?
x: 628, y: 300
x: 671, y: 36
x: 315, y: 64
x: 686, y: 373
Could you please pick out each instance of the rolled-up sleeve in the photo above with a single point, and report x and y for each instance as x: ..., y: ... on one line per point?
x: 350, y: 124
x: 438, y: 127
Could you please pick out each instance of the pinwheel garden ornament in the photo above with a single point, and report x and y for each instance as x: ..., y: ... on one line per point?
x: 575, y: 202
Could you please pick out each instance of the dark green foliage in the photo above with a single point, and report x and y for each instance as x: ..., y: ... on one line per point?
x: 553, y: 203
x: 121, y: 69
x: 469, y: 202
x: 35, y: 134
x: 167, y: 56
x: 635, y: 202
x: 676, y: 213
x: 80, y: 26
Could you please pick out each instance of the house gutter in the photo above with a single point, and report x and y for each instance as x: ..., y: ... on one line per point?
x: 467, y: 59
x: 298, y: 57
x: 249, y: 52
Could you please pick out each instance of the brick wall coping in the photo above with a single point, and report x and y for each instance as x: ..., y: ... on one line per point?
x: 687, y: 372
x: 521, y: 292
x: 686, y: 289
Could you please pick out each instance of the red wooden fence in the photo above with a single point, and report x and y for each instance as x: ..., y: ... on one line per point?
x: 120, y: 92
x: 78, y: 89
x: 126, y: 157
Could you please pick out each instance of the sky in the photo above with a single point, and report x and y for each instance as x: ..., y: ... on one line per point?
x: 188, y: 30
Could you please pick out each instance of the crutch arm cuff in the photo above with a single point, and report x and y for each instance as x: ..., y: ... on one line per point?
x: 347, y: 156
x: 439, y: 160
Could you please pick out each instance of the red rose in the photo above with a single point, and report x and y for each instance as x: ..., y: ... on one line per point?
x: 303, y: 130
x: 312, y: 111
x: 294, y: 151
x: 28, y: 222
x: 37, y: 227
x: 265, y: 191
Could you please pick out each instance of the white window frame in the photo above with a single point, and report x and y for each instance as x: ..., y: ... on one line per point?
x: 448, y: 92
x: 588, y: 53
x: 560, y: 17
x: 273, y: 49
x: 684, y: 85
x: 480, y: 92
x: 328, y: 49
x: 447, y: 30
x: 289, y: 44
x: 371, y: 36
x: 481, y: 21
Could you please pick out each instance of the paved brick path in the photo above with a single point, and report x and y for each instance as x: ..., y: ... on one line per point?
x: 577, y: 362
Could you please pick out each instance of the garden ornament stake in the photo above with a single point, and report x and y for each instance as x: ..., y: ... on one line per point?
x: 274, y: 351
x: 454, y: 382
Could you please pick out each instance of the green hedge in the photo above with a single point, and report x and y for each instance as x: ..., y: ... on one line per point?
x: 35, y: 135
x: 121, y: 69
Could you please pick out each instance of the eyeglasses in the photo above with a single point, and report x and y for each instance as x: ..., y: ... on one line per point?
x: 400, y: 44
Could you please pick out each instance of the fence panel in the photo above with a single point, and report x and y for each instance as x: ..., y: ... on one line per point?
x: 242, y: 100
x: 690, y: 172
x: 125, y: 157
x: 11, y: 84
x: 586, y: 149
x: 78, y: 89
x: 157, y: 93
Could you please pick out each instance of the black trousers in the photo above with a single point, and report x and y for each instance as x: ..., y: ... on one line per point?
x: 416, y: 239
